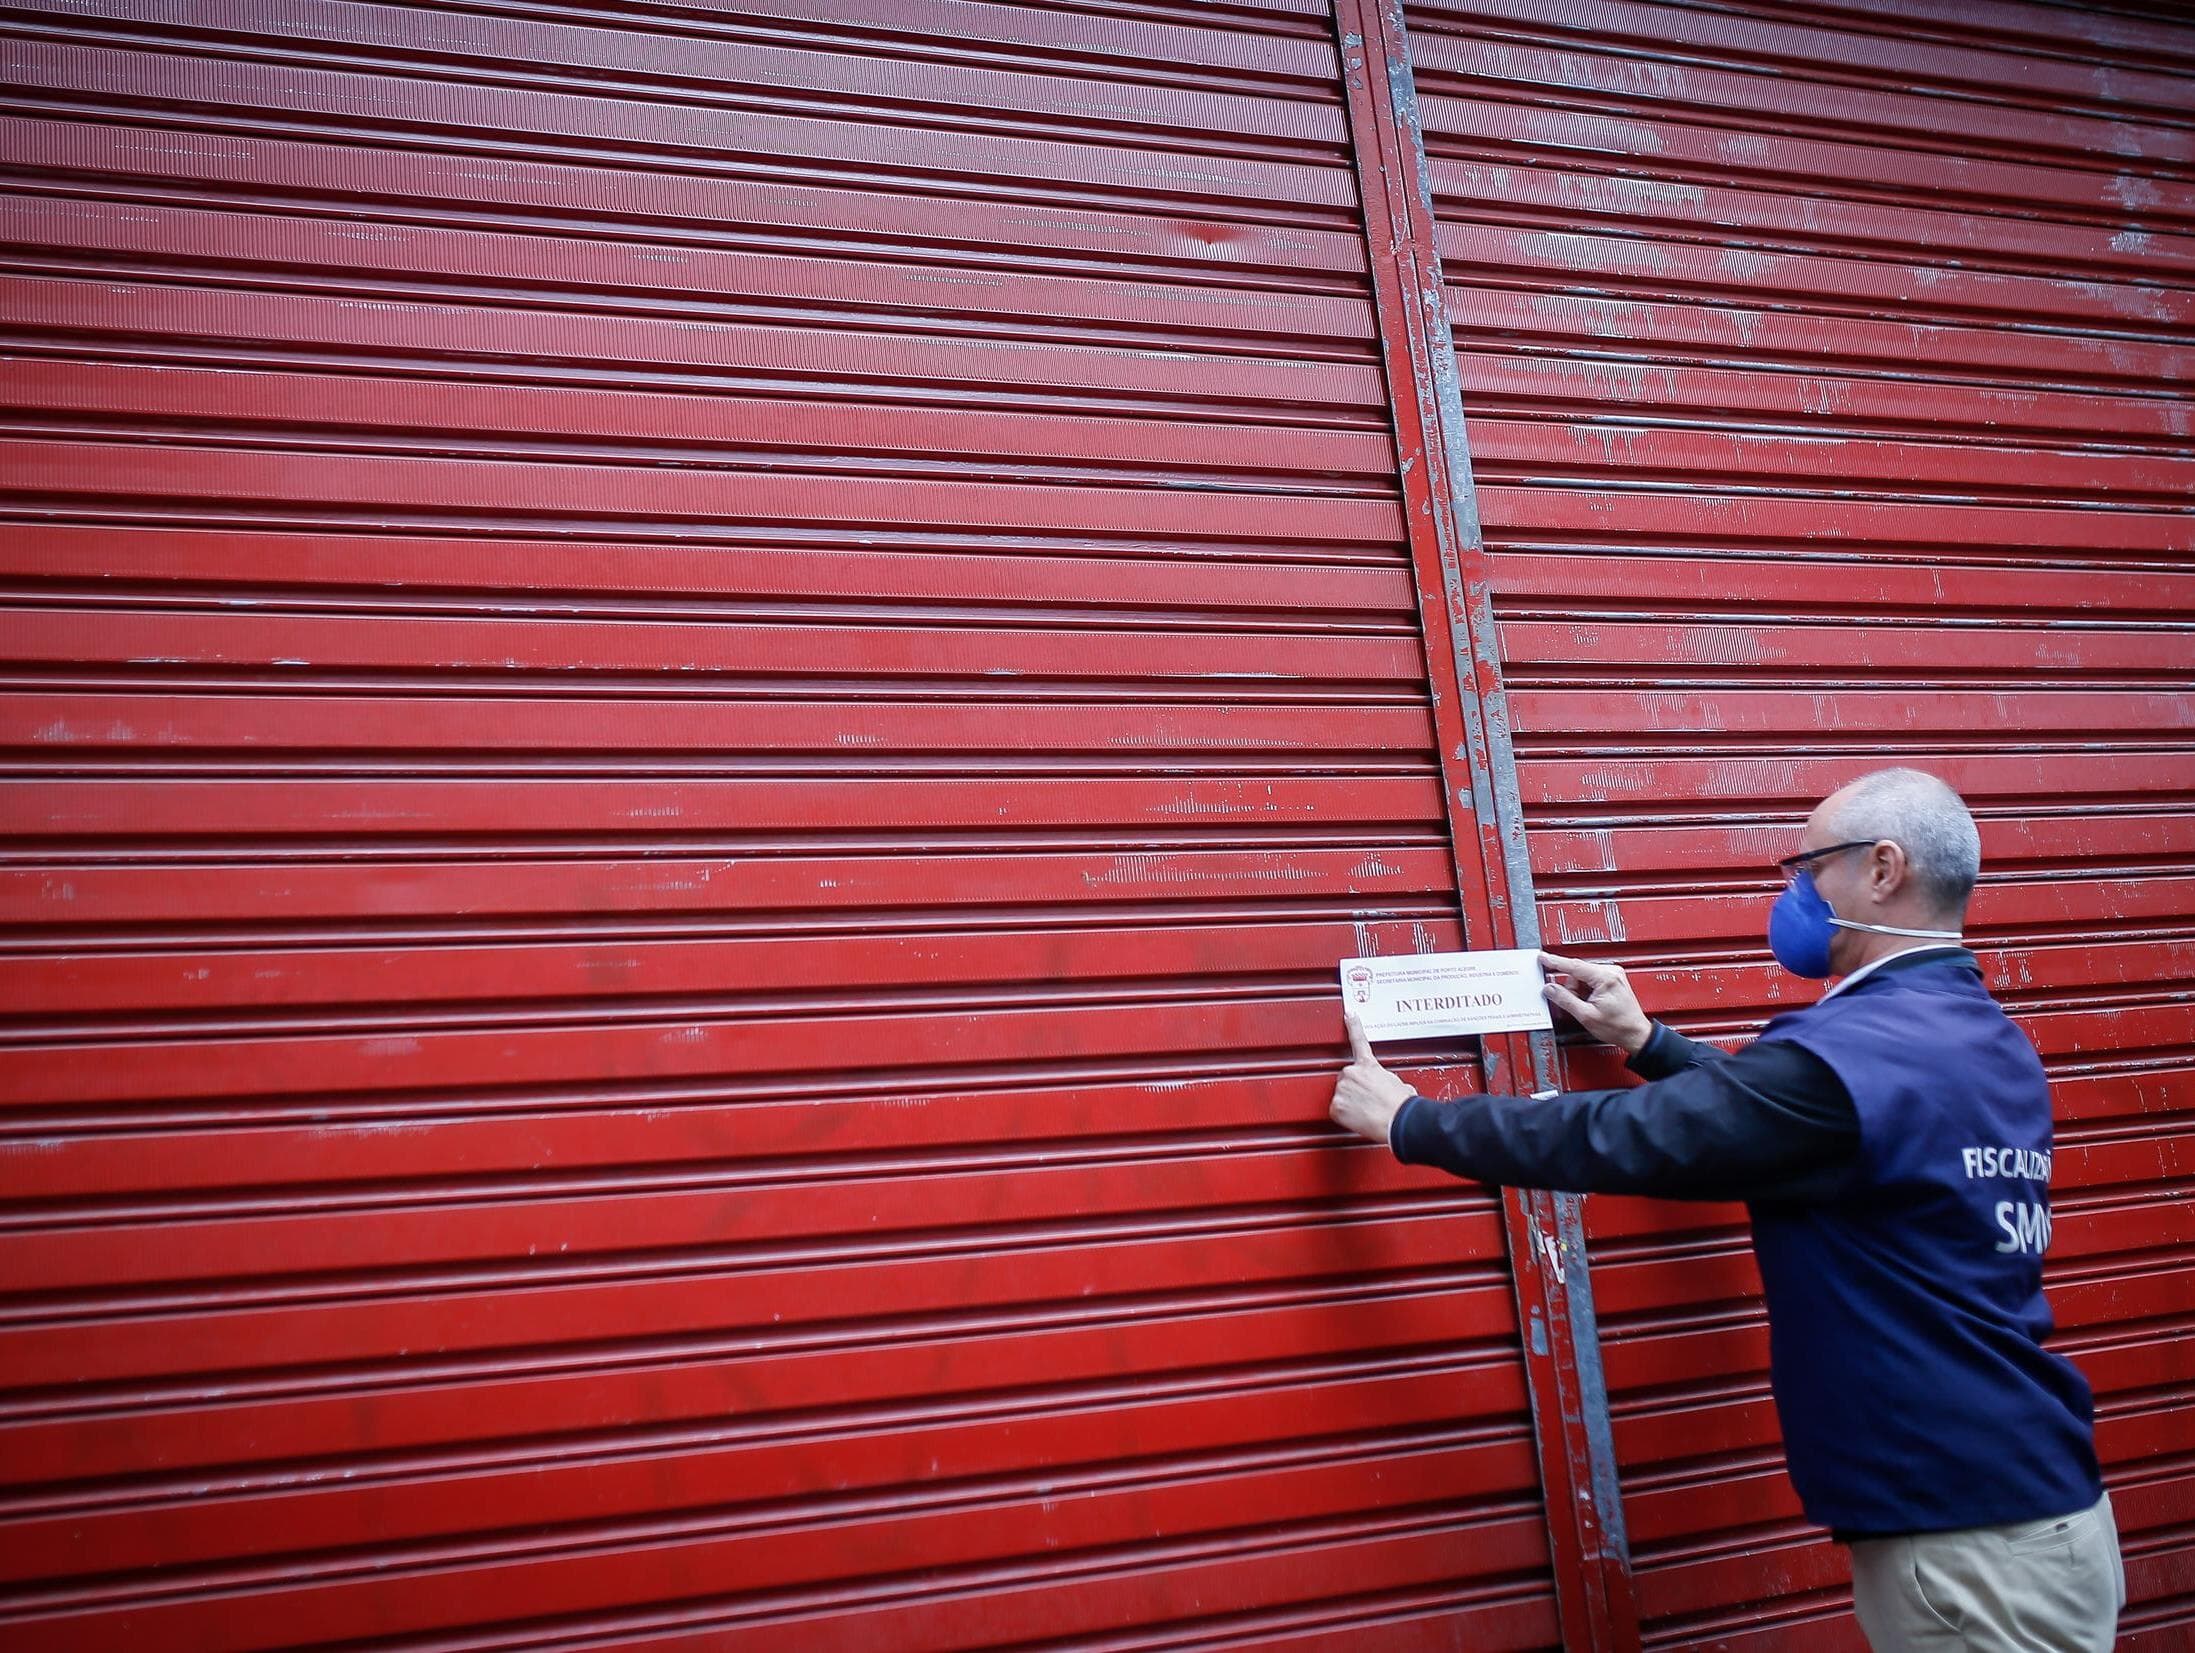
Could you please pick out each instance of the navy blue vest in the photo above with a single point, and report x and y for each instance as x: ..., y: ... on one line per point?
x: 1906, y: 1316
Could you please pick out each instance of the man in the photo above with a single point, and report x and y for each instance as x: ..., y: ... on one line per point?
x: 1892, y: 1143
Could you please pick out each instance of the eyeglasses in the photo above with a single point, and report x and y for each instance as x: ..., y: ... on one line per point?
x: 1792, y: 865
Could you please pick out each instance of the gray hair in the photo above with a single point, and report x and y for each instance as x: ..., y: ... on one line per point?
x: 1925, y: 818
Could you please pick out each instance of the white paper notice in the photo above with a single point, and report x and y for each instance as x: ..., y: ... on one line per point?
x: 1436, y: 995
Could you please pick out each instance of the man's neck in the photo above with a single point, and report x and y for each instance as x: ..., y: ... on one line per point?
x: 1874, y: 949
x: 1870, y: 948
x: 1859, y: 971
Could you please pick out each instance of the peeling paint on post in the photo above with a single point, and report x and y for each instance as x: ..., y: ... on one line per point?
x: 1486, y: 818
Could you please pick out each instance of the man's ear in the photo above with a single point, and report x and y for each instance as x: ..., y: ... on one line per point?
x: 1890, y: 867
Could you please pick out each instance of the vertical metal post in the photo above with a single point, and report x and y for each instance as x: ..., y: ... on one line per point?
x: 1448, y: 554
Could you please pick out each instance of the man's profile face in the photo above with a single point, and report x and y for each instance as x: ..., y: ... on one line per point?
x: 1836, y: 878
x: 1814, y: 837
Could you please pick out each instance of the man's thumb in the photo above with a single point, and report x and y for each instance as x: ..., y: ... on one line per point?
x: 1565, y: 1001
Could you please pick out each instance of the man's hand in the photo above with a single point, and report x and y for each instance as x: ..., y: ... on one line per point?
x: 1366, y: 1096
x: 1608, y: 1009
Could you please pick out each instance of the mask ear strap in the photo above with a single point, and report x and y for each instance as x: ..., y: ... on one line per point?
x: 1897, y: 930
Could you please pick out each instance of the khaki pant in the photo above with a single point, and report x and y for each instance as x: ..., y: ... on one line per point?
x: 2050, y: 1586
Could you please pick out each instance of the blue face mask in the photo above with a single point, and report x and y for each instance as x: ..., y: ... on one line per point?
x: 1802, y: 924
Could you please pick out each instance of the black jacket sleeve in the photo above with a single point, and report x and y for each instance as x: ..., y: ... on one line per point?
x: 1667, y: 1051
x: 1772, y: 1123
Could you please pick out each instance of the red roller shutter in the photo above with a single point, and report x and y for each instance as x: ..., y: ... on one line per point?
x: 1827, y: 374
x: 694, y: 702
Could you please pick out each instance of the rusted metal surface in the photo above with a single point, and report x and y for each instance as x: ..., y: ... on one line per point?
x: 1545, y: 1236
x: 1827, y: 376
x: 693, y: 703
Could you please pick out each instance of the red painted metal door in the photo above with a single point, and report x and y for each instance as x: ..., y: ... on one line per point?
x: 694, y: 701
x: 1827, y: 375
